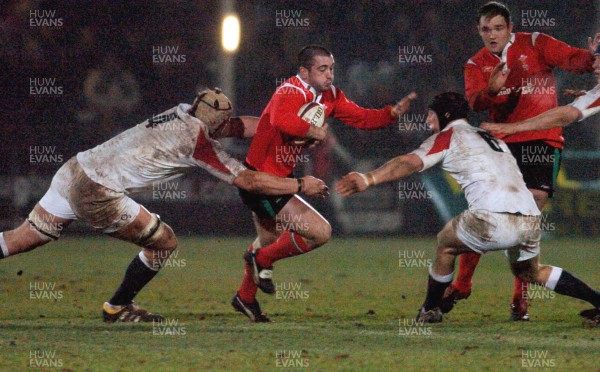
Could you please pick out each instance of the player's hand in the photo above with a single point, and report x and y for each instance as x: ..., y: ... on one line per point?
x: 351, y: 183
x: 403, y: 105
x: 500, y: 129
x: 498, y: 78
x: 312, y: 186
x: 574, y: 92
x: 593, y: 44
x: 317, y: 133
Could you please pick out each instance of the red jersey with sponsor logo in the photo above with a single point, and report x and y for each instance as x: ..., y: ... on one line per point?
x: 530, y: 88
x: 273, y: 152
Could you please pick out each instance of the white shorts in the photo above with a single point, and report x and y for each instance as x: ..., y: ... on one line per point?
x: 73, y: 195
x: 484, y: 231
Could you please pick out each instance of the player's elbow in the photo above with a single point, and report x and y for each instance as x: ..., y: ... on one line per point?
x: 250, y: 181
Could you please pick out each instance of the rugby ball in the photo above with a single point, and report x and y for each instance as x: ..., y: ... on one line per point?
x: 312, y: 113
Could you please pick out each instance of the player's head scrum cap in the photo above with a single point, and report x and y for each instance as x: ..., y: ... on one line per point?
x: 449, y: 106
x: 212, y: 107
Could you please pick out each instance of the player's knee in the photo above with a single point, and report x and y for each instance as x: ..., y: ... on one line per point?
x: 446, y: 250
x: 157, y: 235
x: 169, y: 240
x: 444, y: 236
x: 525, y: 271
x: 44, y: 224
x: 324, y: 234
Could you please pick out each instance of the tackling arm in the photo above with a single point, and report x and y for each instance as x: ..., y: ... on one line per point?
x: 556, y: 117
x: 240, y: 127
x: 268, y: 184
x: 398, y: 167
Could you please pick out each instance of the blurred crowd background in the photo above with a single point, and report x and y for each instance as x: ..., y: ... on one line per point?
x: 102, y: 54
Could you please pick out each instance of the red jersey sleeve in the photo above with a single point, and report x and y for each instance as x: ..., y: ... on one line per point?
x: 284, y: 112
x: 476, y: 89
x: 560, y: 54
x: 354, y: 115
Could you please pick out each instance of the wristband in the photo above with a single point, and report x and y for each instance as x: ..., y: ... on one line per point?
x: 300, y: 183
x: 365, y: 178
x: 371, y: 179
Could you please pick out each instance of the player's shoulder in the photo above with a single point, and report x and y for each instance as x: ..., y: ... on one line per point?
x: 479, y: 58
x: 530, y: 38
x: 291, y: 86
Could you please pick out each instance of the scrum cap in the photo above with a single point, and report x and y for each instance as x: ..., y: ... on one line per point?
x: 212, y: 107
x: 449, y: 106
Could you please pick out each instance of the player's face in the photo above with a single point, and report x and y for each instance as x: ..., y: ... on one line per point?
x: 495, y: 33
x: 433, y: 121
x: 320, y: 75
x: 597, y: 68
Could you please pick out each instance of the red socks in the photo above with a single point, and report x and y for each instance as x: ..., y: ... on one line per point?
x: 248, y: 289
x: 466, y: 268
x: 520, y: 291
x: 287, y: 245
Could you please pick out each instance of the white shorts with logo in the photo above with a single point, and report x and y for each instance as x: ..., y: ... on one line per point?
x: 73, y: 195
x: 484, y: 231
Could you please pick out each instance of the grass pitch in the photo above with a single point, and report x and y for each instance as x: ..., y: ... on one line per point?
x: 348, y: 305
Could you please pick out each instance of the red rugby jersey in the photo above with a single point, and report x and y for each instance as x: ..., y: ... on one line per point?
x: 271, y: 149
x: 530, y: 88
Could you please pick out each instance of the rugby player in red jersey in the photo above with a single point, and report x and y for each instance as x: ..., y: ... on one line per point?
x: 585, y: 105
x: 95, y: 185
x: 286, y: 225
x: 511, y: 77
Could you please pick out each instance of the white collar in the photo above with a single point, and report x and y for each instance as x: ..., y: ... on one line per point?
x: 311, y: 89
x: 455, y: 123
x: 505, y: 50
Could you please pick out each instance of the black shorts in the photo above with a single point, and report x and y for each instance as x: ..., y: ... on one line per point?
x: 539, y: 163
x: 265, y: 206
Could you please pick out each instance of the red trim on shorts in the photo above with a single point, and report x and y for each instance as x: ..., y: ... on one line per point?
x: 442, y: 142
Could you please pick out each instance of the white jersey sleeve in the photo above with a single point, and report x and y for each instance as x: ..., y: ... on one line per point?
x: 589, y: 103
x: 159, y: 149
x: 434, y: 149
x: 482, y: 165
x: 210, y: 155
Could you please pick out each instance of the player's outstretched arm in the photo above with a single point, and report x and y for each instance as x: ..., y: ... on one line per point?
x: 239, y: 127
x: 398, y: 167
x: 403, y: 105
x: 268, y: 184
x: 250, y: 125
x: 557, y: 117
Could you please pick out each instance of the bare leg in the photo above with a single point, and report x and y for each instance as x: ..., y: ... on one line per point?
x: 26, y: 237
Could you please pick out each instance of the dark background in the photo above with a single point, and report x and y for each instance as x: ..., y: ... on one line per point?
x: 108, y: 45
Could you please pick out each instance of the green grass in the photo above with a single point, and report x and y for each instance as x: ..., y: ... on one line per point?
x: 356, y: 297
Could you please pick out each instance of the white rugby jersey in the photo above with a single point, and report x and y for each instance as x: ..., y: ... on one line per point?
x: 482, y: 165
x: 161, y: 148
x: 588, y: 104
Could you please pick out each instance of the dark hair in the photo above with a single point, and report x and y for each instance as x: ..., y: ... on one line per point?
x: 449, y: 106
x: 492, y: 9
x: 309, y: 52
